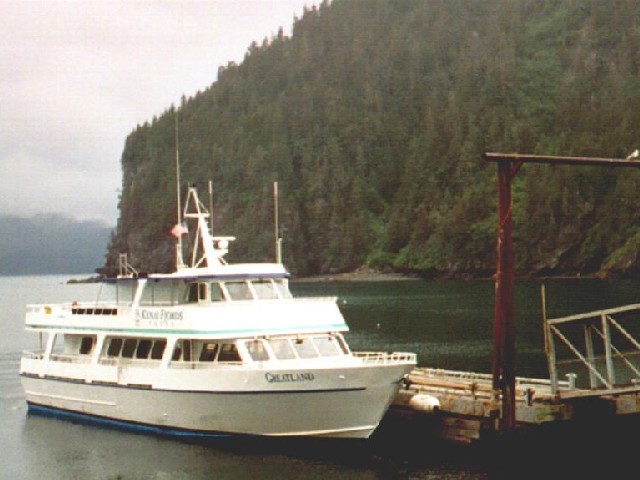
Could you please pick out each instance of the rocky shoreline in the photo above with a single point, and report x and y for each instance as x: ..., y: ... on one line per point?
x: 359, y: 275
x: 365, y: 274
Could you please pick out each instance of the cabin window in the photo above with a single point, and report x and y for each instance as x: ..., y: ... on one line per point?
x: 158, y: 293
x: 215, y: 292
x: 304, y: 348
x: 125, y: 291
x: 129, y: 347
x: 342, y: 344
x: 86, y: 345
x: 57, y: 348
x: 208, y: 353
x: 265, y: 289
x: 115, y: 345
x: 191, y: 295
x: 239, y: 290
x: 326, y: 346
x: 158, y: 349
x: 283, y: 289
x: 229, y: 353
x: 144, y: 347
x: 182, y: 351
x: 282, y: 348
x: 202, y: 292
x: 186, y: 350
x: 257, y: 350
x: 148, y: 294
x: 177, y: 352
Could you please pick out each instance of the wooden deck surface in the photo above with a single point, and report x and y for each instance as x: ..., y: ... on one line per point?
x: 464, y: 409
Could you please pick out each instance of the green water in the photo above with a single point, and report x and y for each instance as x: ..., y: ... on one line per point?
x: 447, y: 323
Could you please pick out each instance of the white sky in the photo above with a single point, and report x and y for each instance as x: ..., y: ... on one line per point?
x: 76, y: 77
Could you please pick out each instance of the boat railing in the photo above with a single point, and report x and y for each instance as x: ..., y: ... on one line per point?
x: 32, y: 355
x: 57, y: 357
x: 130, y: 362
x: 160, y: 303
x: 76, y: 308
x: 201, y: 365
x: 109, y: 361
x: 386, y: 358
x: 65, y: 358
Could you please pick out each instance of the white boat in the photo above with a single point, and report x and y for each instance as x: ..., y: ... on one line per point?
x: 212, y: 349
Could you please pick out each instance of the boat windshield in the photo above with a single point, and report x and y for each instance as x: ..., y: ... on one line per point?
x: 161, y: 293
x: 239, y: 290
x: 219, y: 291
x: 174, y: 292
x: 265, y: 289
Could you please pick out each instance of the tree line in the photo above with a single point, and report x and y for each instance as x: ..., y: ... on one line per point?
x: 373, y: 116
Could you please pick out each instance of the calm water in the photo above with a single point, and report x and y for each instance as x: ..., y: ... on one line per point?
x: 448, y: 323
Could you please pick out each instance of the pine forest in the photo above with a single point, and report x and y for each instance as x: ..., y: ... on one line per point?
x: 373, y: 116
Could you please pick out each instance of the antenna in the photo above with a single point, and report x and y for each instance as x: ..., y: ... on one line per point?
x: 211, y: 206
x: 275, y: 224
x: 179, y: 261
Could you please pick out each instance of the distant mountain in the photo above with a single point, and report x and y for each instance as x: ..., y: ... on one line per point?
x: 45, y: 244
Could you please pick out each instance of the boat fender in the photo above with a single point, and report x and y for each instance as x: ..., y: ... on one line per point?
x: 424, y: 403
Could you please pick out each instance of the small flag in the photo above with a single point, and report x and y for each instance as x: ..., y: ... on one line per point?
x: 179, y: 230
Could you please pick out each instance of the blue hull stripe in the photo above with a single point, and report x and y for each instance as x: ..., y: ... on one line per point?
x: 38, y: 409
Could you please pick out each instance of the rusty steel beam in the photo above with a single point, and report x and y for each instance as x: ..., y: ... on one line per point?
x: 504, y: 331
x: 554, y: 160
x: 504, y: 367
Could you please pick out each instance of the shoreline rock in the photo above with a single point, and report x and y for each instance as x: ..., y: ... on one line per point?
x: 362, y: 274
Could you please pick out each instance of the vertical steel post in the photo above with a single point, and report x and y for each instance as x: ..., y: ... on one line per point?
x: 611, y: 374
x: 591, y: 357
x: 549, y: 345
x: 504, y: 322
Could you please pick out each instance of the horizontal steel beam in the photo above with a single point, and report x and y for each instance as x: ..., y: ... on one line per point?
x: 553, y: 160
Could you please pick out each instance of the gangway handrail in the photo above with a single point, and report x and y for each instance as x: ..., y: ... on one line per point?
x: 595, y: 313
x: 587, y: 355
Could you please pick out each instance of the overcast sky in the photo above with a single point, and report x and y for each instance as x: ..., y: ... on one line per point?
x: 76, y: 77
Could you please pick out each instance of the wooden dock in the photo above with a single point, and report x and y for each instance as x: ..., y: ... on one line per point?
x: 463, y: 407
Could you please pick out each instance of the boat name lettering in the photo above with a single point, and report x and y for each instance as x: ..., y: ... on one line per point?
x: 288, y: 377
x: 159, y: 315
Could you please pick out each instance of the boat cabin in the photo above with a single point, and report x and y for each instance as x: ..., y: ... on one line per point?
x: 184, y: 352
x: 164, y: 292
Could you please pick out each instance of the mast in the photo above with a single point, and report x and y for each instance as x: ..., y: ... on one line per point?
x: 211, y: 207
x: 278, y: 240
x: 179, y: 259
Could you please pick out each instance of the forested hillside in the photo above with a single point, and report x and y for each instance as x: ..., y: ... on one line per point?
x: 373, y: 117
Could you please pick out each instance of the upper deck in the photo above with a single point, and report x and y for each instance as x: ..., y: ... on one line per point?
x: 204, y: 297
x: 203, y: 306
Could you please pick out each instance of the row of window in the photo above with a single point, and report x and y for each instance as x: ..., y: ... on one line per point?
x: 136, y: 348
x: 186, y: 350
x: 299, y: 347
x: 172, y: 293
x: 196, y: 350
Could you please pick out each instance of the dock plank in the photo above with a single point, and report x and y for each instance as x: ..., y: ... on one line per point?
x: 466, y: 405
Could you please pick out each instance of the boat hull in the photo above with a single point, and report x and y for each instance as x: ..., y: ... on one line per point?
x: 341, y: 411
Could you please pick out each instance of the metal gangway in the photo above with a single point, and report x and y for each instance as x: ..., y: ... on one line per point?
x: 602, y: 344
